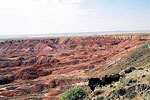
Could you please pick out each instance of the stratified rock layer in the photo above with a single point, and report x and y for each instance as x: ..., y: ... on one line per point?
x: 52, y: 65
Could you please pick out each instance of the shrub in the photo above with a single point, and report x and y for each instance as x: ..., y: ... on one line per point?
x: 120, y: 90
x: 74, y: 94
x: 125, y: 82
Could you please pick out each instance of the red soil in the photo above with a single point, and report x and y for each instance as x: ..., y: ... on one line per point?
x: 56, y: 64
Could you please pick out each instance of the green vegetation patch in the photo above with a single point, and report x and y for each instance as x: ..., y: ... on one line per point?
x: 74, y: 94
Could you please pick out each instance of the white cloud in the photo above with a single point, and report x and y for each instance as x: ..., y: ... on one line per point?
x: 48, y: 16
x: 38, y: 16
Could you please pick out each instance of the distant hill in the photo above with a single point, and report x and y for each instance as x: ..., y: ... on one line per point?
x: 70, y: 34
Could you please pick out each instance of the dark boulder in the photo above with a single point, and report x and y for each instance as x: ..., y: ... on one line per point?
x: 93, y: 82
x: 121, y: 91
x: 106, y: 80
x: 129, y: 70
x: 115, y: 43
x: 109, y: 79
x: 140, y: 69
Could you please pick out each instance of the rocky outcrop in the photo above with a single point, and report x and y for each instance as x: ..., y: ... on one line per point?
x: 27, y: 73
x: 135, y: 85
x: 31, y: 73
x: 9, y: 63
x: 130, y: 93
x: 106, y: 80
x: 93, y: 82
x: 59, y: 63
x: 129, y: 70
x: 23, y: 90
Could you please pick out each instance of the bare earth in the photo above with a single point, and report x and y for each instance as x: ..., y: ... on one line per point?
x: 46, y: 68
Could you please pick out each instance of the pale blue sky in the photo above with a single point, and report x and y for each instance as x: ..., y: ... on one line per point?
x: 50, y: 16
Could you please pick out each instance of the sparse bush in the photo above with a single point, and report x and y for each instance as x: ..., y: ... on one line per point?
x: 74, y: 94
x: 125, y: 82
x: 120, y: 90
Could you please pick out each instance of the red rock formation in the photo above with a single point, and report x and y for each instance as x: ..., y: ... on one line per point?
x: 48, y: 64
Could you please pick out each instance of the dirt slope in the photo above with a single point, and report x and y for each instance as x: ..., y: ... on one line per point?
x: 45, y: 68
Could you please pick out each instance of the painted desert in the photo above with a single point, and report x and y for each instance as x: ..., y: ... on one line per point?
x: 45, y: 68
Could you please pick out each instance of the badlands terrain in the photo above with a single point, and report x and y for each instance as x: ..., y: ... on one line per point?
x: 44, y: 68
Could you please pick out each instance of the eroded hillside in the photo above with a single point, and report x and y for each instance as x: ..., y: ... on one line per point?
x: 45, y: 68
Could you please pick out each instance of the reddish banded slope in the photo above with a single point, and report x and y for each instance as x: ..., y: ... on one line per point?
x: 53, y: 65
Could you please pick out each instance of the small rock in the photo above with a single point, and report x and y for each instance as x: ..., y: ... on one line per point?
x: 140, y: 68
x: 121, y: 92
x: 147, y: 70
x: 143, y: 76
x: 111, y: 85
x: 129, y: 70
